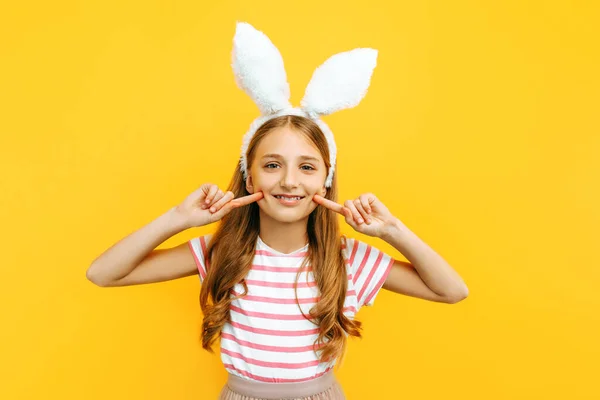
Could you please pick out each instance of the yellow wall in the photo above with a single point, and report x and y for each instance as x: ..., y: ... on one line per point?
x: 480, y: 132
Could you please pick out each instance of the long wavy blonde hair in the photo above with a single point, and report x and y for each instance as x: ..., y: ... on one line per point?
x: 231, y: 250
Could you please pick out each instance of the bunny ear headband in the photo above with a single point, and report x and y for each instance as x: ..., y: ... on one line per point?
x: 340, y: 82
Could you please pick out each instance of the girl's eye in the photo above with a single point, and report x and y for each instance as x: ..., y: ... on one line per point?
x: 268, y: 166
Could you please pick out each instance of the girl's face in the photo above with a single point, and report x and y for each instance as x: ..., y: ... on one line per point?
x: 287, y: 163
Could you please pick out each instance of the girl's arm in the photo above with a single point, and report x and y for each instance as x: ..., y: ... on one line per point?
x: 133, y: 260
x: 429, y: 276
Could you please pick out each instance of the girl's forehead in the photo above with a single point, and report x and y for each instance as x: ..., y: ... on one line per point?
x: 287, y: 144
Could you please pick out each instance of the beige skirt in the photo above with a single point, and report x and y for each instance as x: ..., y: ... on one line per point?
x: 325, y: 387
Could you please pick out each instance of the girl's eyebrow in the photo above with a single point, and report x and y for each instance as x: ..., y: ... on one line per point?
x: 279, y: 156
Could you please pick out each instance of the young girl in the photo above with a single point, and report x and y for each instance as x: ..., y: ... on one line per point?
x: 280, y: 286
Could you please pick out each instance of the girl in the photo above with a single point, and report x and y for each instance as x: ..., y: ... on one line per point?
x: 280, y: 286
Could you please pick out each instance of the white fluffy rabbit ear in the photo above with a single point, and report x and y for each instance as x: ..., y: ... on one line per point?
x: 258, y: 68
x: 340, y: 82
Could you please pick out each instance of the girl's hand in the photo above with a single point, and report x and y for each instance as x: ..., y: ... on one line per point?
x: 209, y: 204
x: 366, y: 214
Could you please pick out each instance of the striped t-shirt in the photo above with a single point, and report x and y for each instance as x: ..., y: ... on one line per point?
x: 268, y: 339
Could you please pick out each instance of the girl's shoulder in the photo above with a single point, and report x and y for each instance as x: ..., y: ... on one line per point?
x: 198, y: 246
x: 349, y: 244
x: 352, y: 246
x: 202, y: 240
x: 368, y: 267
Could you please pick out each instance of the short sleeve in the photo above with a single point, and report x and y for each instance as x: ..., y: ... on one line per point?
x: 198, y: 246
x: 370, y: 268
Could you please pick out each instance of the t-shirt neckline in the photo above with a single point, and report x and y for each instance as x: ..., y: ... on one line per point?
x: 261, y: 243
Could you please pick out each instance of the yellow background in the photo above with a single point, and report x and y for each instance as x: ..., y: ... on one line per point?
x: 480, y: 132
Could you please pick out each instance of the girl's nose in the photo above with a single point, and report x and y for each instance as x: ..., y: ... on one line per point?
x: 290, y: 179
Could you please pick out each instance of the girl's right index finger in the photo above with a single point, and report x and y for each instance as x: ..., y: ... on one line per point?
x: 242, y: 201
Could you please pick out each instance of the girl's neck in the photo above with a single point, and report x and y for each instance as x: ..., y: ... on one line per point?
x: 284, y: 237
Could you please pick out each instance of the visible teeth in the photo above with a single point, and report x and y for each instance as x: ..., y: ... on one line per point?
x: 288, y: 198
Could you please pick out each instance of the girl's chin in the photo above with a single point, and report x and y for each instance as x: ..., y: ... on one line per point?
x: 285, y: 214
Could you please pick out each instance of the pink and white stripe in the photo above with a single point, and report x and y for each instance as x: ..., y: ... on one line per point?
x: 268, y: 338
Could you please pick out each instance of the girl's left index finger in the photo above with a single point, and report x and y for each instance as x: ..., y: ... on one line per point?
x: 332, y: 205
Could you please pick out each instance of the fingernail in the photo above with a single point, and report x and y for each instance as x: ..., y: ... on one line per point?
x: 207, y: 201
x: 212, y: 209
x: 360, y: 221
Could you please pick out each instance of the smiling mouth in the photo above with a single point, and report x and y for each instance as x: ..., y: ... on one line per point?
x: 288, y: 198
